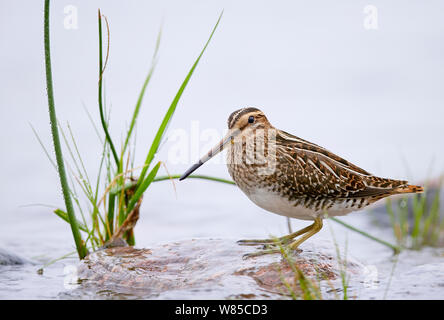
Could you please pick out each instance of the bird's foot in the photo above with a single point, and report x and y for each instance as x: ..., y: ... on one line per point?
x: 279, y: 245
x: 271, y: 249
x: 269, y: 246
x: 266, y: 242
x: 260, y: 253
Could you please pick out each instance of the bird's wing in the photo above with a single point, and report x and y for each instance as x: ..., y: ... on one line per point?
x: 286, y: 138
x: 316, y: 172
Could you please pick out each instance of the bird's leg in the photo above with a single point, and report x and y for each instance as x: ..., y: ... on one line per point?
x: 317, y: 226
x: 306, y: 233
x: 281, y: 240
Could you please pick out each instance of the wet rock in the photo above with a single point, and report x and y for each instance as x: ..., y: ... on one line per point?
x: 8, y: 258
x: 206, y: 269
x: 114, y: 243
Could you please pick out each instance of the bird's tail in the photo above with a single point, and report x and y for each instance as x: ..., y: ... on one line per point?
x: 408, y: 189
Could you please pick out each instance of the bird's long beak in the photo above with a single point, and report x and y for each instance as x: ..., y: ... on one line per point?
x: 216, y: 149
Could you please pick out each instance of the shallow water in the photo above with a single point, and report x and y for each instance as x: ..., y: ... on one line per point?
x: 41, y: 237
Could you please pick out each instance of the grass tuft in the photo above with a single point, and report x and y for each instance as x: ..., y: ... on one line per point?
x: 416, y: 220
x: 115, y: 213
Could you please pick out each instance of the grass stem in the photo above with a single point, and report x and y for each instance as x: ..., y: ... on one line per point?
x: 81, y: 249
x: 395, y: 249
x: 100, y: 97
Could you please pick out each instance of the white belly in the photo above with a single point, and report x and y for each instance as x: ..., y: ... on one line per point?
x: 277, y: 204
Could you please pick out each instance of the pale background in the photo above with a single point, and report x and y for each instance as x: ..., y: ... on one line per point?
x: 374, y: 97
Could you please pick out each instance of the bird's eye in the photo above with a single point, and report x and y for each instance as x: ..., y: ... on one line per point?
x: 251, y: 119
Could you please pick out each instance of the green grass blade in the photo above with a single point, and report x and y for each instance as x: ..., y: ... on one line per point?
x: 79, y: 157
x: 395, y: 249
x: 100, y: 97
x: 163, y: 126
x: 92, y: 123
x: 143, y: 186
x: 389, y: 209
x: 62, y: 214
x: 84, y: 184
x: 195, y: 176
x: 419, y: 207
x: 141, y: 94
x: 75, y: 197
x: 110, y: 215
x: 81, y: 249
x: 432, y: 220
x: 72, y: 188
x: 404, y: 217
x: 44, y: 148
x: 118, y: 189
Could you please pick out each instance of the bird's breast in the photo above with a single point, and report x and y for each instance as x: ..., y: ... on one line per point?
x: 280, y: 205
x: 303, y: 208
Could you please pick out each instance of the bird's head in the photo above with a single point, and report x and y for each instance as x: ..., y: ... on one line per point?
x: 247, y: 119
x: 241, y: 123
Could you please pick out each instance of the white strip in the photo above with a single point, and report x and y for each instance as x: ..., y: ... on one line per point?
x: 312, y: 163
x: 329, y: 168
x: 234, y: 117
x: 340, y: 164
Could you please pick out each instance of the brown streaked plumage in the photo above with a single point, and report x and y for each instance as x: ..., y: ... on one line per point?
x: 292, y: 177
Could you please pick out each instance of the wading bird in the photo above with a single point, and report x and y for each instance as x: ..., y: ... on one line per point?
x: 292, y: 177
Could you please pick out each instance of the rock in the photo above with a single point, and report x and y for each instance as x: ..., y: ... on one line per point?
x: 114, y: 243
x: 8, y: 258
x: 205, y: 269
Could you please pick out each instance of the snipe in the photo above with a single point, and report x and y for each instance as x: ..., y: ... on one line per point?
x: 292, y: 177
